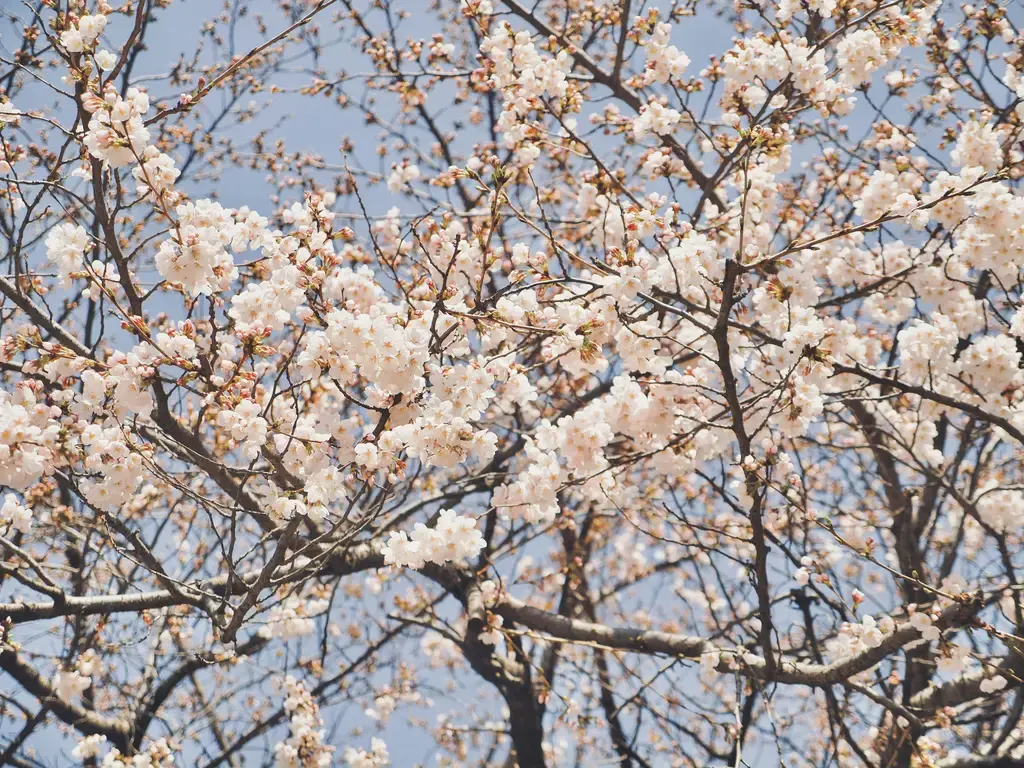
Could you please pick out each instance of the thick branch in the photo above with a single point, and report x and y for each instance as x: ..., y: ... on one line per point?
x: 690, y: 647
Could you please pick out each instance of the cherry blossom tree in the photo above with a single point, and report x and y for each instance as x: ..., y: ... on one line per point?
x: 626, y: 385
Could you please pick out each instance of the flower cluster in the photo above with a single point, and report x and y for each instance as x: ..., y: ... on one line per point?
x: 665, y: 328
x: 377, y: 757
x: 665, y: 62
x: 159, y: 754
x: 116, y: 134
x: 69, y: 684
x: 28, y: 433
x: 388, y: 353
x: 246, y: 425
x: 66, y: 245
x: 292, y: 617
x: 441, y: 438
x: 402, y: 176
x: 81, y: 36
x: 304, y: 747
x: 526, y: 79
x: 197, y: 254
x: 156, y: 175
x: 454, y: 538
x: 855, y: 638
x: 13, y: 515
x: 655, y: 118
x: 9, y: 115
x: 534, y: 493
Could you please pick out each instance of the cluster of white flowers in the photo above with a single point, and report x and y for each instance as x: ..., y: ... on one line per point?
x: 246, y: 425
x: 648, y: 417
x: 303, y: 449
x: 196, y: 255
x: 80, y: 37
x: 859, y: 54
x: 454, y: 538
x: 119, y: 469
x: 755, y: 62
x: 953, y: 659
x: 116, y: 132
x: 582, y: 439
x: 656, y: 118
x: 159, y: 754
x: 268, y: 305
x: 665, y: 62
x: 786, y: 9
x: 639, y: 346
x: 533, y: 495
x: 441, y: 437
x: 304, y: 747
x: 854, y: 638
x: 993, y: 684
x: 355, y: 288
x: 9, y: 114
x: 978, y: 145
x: 658, y: 163
x: 492, y: 635
x: 66, y: 245
x: 802, y: 575
x: 28, y: 429
x: 1001, y: 509
x: 863, y: 51
x: 387, y: 353
x: 131, y: 373
x: 880, y: 195
x: 383, y: 705
x: 1015, y: 83
x: 90, y: 746
x: 525, y: 79
x: 577, y: 347
x: 377, y: 757
x: 992, y: 236
x: 402, y: 176
x: 924, y: 622
x: 468, y: 388
x: 292, y: 617
x: 156, y: 175
x: 324, y: 487
x: 385, y: 702
x: 13, y: 515
x: 927, y: 349
x: 991, y: 364
x: 70, y: 684
x: 282, y: 506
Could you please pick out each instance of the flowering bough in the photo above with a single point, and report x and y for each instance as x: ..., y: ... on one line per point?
x: 668, y: 402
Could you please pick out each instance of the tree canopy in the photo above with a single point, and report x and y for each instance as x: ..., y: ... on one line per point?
x: 511, y: 383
